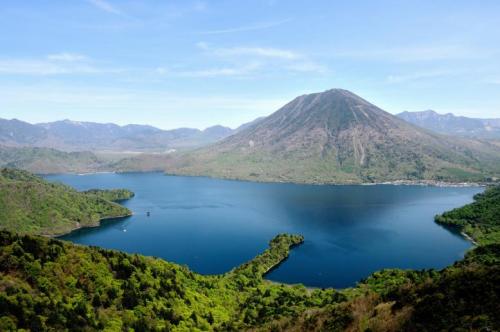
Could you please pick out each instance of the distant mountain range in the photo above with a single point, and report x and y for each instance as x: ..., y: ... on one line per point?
x: 69, y: 135
x: 337, y: 137
x: 454, y: 125
x: 329, y: 137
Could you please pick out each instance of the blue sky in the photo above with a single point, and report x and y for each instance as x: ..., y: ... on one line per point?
x: 199, y: 63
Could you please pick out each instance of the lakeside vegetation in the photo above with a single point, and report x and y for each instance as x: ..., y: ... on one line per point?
x: 480, y: 220
x: 48, y: 284
x: 113, y: 195
x: 29, y: 204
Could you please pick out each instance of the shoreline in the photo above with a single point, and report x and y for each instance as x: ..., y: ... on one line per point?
x: 469, y: 238
x: 401, y: 182
x: 423, y: 183
x: 79, y: 227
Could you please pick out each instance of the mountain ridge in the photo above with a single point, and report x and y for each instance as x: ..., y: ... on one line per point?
x: 71, y: 136
x: 336, y: 136
x: 451, y: 124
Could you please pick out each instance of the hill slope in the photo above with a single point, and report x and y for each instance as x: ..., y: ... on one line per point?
x: 454, y: 125
x: 29, y: 204
x: 338, y: 137
x: 46, y: 161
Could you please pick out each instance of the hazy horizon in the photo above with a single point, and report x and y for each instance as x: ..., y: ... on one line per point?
x: 198, y: 63
x: 159, y: 127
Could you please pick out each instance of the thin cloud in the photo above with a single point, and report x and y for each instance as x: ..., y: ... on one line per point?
x: 244, y: 70
x: 307, y: 67
x: 53, y: 64
x: 417, y: 76
x: 253, y: 27
x: 106, y: 6
x: 266, y: 52
x: 41, y: 67
x: 68, y: 57
x: 411, y: 53
x: 269, y: 57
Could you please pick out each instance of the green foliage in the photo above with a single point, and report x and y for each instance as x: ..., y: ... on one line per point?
x: 279, y: 248
x: 29, y: 204
x: 50, y: 284
x: 480, y: 219
x: 463, y: 297
x: 113, y: 195
x: 385, y: 280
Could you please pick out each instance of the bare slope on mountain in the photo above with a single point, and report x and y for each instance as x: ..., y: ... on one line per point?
x: 338, y: 137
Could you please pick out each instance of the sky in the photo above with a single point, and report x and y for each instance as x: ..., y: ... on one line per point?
x: 199, y: 63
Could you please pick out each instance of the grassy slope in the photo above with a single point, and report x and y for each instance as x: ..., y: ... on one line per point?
x: 29, y: 204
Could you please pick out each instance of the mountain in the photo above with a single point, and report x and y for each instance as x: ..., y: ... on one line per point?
x: 67, y: 135
x: 32, y: 205
x: 45, y: 160
x: 337, y: 137
x: 249, y: 124
x: 18, y: 132
x: 454, y: 125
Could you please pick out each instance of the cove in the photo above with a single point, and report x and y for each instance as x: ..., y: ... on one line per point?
x: 215, y: 225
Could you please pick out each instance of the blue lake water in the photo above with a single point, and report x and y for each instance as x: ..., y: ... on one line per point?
x: 214, y: 225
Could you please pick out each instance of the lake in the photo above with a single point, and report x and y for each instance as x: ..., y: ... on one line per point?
x: 214, y: 225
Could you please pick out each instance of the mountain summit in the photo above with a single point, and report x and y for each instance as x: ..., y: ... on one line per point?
x: 337, y: 137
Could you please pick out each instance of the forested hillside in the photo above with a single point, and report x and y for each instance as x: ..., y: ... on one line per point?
x: 49, y: 284
x: 480, y: 220
x: 29, y: 204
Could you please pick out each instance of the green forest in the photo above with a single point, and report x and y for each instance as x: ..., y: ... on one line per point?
x: 52, y: 285
x: 113, y: 195
x: 480, y: 220
x: 29, y: 204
